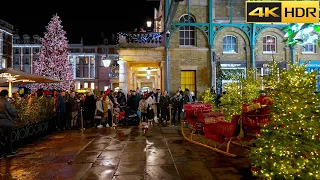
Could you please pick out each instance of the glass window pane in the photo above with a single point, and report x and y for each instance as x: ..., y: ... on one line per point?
x: 181, y: 34
x: 234, y: 40
x: 187, y: 34
x: 187, y: 42
x: 181, y: 42
x: 192, y: 34
x: 192, y: 42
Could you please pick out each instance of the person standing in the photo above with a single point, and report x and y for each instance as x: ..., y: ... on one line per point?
x: 107, y: 109
x: 158, y: 96
x: 60, y: 109
x: 8, y: 117
x: 143, y: 106
x: 72, y: 103
x: 177, y: 102
x: 152, y: 104
x: 164, y: 105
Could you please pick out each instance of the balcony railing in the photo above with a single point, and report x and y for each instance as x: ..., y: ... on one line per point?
x: 140, y: 39
x: 113, y: 75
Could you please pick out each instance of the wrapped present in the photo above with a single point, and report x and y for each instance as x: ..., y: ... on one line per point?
x: 247, y: 108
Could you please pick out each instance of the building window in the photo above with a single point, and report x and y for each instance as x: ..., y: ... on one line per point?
x: 85, y: 85
x: 229, y: 44
x: 269, y: 44
x: 111, y: 50
x: 92, y: 60
x: 16, y: 50
x: 309, y: 48
x: 36, y: 50
x: 91, y: 72
x: 26, y: 61
x: 78, y: 72
x: 78, y: 60
x: 187, y: 34
x: 4, y: 63
x: 85, y: 72
x: 86, y: 60
x: 188, y: 80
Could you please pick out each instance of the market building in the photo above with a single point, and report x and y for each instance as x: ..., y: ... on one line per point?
x: 195, y: 37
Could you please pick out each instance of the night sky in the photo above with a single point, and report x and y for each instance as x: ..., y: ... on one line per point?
x: 85, y: 19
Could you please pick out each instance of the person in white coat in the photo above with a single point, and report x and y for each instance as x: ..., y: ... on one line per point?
x: 153, y: 105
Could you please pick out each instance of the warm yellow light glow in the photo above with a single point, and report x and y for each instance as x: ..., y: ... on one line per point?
x: 149, y: 23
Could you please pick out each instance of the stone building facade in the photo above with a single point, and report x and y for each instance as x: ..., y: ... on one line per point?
x: 6, y: 31
x: 193, y: 59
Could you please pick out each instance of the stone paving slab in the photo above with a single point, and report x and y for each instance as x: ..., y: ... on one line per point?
x: 124, y: 153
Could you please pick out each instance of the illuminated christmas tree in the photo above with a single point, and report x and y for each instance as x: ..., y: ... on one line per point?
x: 289, y: 145
x: 53, y: 58
x: 241, y: 91
x: 209, y: 97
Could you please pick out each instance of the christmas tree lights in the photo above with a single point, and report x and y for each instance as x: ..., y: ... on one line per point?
x: 289, y: 145
x: 53, y: 58
x: 241, y: 91
x: 209, y: 97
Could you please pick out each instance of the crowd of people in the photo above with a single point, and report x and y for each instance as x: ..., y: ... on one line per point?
x: 83, y: 110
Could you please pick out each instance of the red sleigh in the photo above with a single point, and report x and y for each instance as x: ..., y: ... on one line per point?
x: 209, y: 129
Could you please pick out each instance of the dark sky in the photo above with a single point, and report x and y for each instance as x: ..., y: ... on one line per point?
x: 85, y: 19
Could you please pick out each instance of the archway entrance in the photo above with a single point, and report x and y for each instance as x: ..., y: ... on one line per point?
x: 144, y: 75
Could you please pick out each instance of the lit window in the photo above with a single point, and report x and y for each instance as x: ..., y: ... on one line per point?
x: 269, y: 44
x: 92, y: 85
x: 106, y: 88
x: 309, y: 48
x: 229, y: 44
x: 187, y: 34
x: 85, y: 85
x: 86, y: 60
x: 92, y: 60
x: 188, y: 80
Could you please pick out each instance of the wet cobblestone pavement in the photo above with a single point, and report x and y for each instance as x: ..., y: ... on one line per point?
x: 121, y: 154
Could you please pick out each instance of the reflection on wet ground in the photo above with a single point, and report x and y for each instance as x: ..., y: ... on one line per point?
x: 123, y: 153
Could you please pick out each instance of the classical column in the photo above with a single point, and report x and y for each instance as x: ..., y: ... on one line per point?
x: 134, y: 81
x: 1, y: 49
x: 162, y: 75
x: 167, y: 81
x: 123, y: 76
x: 159, y: 79
x: 211, y: 68
x: 139, y: 84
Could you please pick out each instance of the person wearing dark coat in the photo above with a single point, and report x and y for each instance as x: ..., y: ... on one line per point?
x: 177, y: 102
x: 61, y: 110
x: 90, y: 108
x: 133, y: 101
x: 121, y: 99
x: 8, y: 117
x: 164, y: 105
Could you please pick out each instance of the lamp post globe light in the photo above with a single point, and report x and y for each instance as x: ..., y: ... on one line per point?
x: 149, y: 23
x: 106, y: 62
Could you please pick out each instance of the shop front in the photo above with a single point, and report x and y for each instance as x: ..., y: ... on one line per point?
x: 229, y: 71
x: 313, y: 66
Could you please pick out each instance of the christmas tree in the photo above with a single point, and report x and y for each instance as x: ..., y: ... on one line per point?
x: 209, y: 97
x: 241, y: 91
x: 289, y: 145
x: 53, y: 58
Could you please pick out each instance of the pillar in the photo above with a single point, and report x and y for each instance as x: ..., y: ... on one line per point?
x: 139, y: 84
x: 123, y: 76
x: 167, y: 74
x: 1, y: 48
x: 162, y: 75
x: 159, y: 79
x: 130, y: 79
x: 211, y: 68
x: 134, y: 81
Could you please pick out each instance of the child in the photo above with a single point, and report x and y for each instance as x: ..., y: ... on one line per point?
x: 116, y: 113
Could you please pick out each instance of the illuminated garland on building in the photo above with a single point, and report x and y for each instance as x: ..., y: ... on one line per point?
x: 140, y: 37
